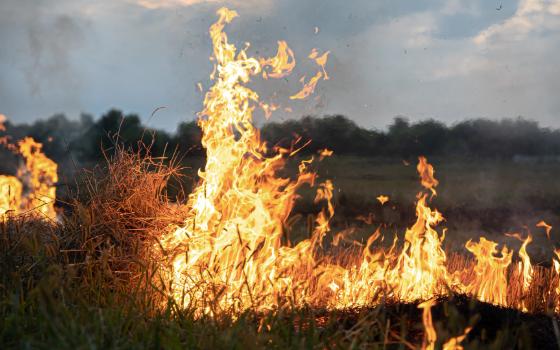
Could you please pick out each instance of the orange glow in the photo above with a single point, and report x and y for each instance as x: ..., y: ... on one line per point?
x: 308, y: 88
x: 490, y: 281
x: 382, y: 199
x: 268, y: 109
x: 34, y: 189
x: 556, y: 265
x: 455, y: 342
x: 430, y: 335
x: 10, y: 194
x: 426, y: 172
x: 546, y: 226
x: 525, y: 269
x: 280, y: 65
x: 325, y: 153
x: 321, y: 61
x: 42, y: 173
x: 3, y: 119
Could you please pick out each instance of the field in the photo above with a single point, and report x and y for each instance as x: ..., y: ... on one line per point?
x: 86, y: 282
x: 477, y: 197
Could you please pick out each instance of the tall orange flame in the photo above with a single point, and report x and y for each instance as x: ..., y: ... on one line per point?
x: 231, y: 252
x: 10, y: 194
x: 34, y: 189
x: 490, y: 281
x: 42, y: 174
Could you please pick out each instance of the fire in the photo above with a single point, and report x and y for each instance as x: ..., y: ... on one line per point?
x: 420, y: 272
x: 230, y: 248
x: 320, y: 60
x: 546, y: 226
x: 382, y: 199
x: 426, y: 172
x: 430, y: 334
x: 34, y: 189
x: 10, y: 194
x: 268, y: 109
x: 556, y: 265
x: 308, y: 88
x: 525, y: 270
x: 231, y: 252
x: 231, y: 239
x: 3, y: 119
x: 42, y: 177
x: 282, y: 64
x: 489, y: 283
x: 325, y: 153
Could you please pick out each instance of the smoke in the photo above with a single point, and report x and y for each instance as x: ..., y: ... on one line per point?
x: 50, y: 44
x: 38, y: 39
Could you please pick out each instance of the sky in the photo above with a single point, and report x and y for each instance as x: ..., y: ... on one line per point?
x: 444, y: 59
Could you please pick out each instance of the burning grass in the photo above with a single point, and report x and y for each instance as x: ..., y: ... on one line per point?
x: 134, y: 269
x: 87, y: 281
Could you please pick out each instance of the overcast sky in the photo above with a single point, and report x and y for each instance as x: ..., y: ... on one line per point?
x: 443, y: 59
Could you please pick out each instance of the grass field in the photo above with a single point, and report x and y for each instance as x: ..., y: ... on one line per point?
x: 86, y: 282
x: 477, y: 197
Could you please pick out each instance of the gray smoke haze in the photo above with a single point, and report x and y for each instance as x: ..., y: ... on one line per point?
x: 50, y: 47
x: 443, y: 59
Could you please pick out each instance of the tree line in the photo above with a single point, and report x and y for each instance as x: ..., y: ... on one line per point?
x: 84, y: 138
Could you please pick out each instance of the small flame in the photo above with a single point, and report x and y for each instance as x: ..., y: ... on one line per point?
x: 308, y: 88
x: 430, y: 334
x: 426, y: 172
x: 3, y: 120
x: 324, y: 153
x: 382, y: 199
x: 455, y: 342
x: 490, y: 281
x: 320, y: 60
x: 546, y: 226
x: 282, y: 64
x: 268, y: 108
x: 525, y: 269
x: 11, y: 190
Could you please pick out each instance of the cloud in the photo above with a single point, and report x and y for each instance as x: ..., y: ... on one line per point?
x: 158, y: 4
x: 167, y: 4
x: 453, y: 7
x: 407, y: 67
x: 447, y: 59
x: 531, y: 15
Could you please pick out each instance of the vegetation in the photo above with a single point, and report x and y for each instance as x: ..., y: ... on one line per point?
x: 87, y: 282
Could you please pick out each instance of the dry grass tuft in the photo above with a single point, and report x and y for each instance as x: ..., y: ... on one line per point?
x: 100, y: 247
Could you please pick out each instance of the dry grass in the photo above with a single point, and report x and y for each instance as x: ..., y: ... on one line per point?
x: 88, y: 281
